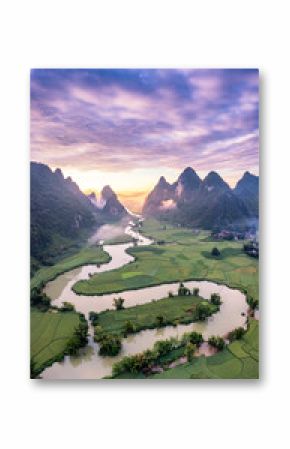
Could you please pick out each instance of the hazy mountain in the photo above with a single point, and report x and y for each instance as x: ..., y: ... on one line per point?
x: 60, y: 213
x: 206, y: 204
x: 108, y: 205
x: 157, y: 199
x: 187, y: 183
x: 247, y: 189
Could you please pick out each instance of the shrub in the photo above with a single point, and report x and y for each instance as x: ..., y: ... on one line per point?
x: 253, y: 303
x: 216, y: 342
x: 170, y: 294
x: 182, y: 290
x: 160, y: 320
x: 67, y: 307
x: 189, y: 351
x: 109, y: 344
x: 215, y: 299
x: 118, y: 303
x: 203, y: 310
x: 237, y: 333
x: 215, y: 252
x: 192, y: 337
x: 195, y: 291
x: 93, y: 317
x: 129, y: 328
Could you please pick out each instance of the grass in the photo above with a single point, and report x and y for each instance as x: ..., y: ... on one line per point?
x: 178, y: 308
x: 85, y: 256
x: 238, y: 361
x: 122, y: 238
x: 185, y: 255
x: 50, y: 333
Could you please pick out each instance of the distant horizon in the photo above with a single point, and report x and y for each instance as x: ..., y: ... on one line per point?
x: 127, y: 127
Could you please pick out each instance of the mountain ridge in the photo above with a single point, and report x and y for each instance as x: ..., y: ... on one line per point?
x: 206, y: 203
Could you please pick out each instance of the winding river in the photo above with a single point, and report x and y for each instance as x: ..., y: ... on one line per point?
x: 88, y: 364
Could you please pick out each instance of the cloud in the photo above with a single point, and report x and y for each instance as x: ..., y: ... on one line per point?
x: 122, y: 120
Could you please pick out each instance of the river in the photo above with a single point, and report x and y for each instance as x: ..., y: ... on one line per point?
x: 88, y: 364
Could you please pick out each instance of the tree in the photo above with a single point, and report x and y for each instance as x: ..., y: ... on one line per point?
x: 216, y: 342
x: 203, y: 310
x: 93, y: 317
x: 110, y: 345
x: 215, y: 252
x: 68, y: 307
x: 190, y: 349
x: 160, y: 320
x: 215, y: 299
x: 118, y: 303
x: 129, y: 328
x: 253, y: 303
x: 182, y: 290
x: 237, y: 333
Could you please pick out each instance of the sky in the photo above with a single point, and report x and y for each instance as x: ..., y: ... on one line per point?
x: 127, y: 127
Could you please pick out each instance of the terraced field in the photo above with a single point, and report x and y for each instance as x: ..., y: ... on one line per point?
x: 181, y: 255
x: 50, y: 333
x: 87, y: 255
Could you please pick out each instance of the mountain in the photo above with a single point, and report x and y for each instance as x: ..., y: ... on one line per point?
x: 157, y: 199
x: 187, y: 183
x: 108, y: 205
x: 60, y: 213
x: 247, y: 189
x: 205, y: 204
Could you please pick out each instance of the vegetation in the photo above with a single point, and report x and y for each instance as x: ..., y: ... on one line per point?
x: 189, y: 351
x: 110, y: 344
x: 253, y: 303
x: 166, y: 311
x: 236, y: 334
x: 53, y: 334
x: 239, y: 360
x: 215, y: 299
x: 215, y: 252
x: 122, y: 238
x: 93, y: 317
x: 39, y: 299
x: 67, y: 307
x: 85, y: 256
x: 183, y: 257
x: 217, y: 342
x: 60, y: 214
x: 118, y: 303
x: 195, y: 291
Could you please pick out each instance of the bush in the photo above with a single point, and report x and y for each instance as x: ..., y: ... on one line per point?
x: 182, y: 290
x: 215, y: 252
x: 237, y: 333
x: 93, y: 317
x: 195, y: 291
x: 203, y: 310
x: 215, y: 299
x: 253, y: 303
x: 109, y: 344
x: 118, y: 303
x: 160, y: 321
x: 192, y: 337
x: 189, y: 351
x: 216, y: 342
x: 170, y: 294
x: 67, y: 307
x: 129, y: 328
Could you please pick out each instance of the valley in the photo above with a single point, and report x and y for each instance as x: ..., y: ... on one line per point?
x: 144, y: 273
